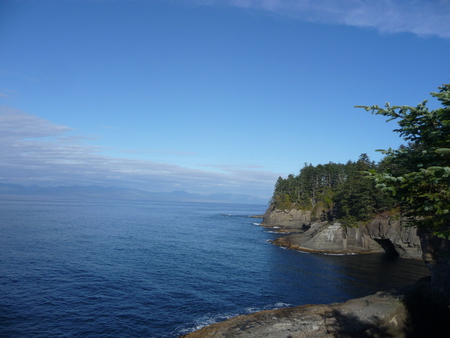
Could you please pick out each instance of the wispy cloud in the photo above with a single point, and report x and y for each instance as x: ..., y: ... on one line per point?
x: 421, y: 17
x: 29, y: 79
x: 233, y: 167
x: 14, y: 124
x: 36, y: 151
x: 7, y: 93
x: 156, y: 151
x: 168, y: 152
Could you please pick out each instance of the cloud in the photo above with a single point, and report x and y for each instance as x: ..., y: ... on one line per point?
x: 9, y: 73
x: 36, y: 151
x: 420, y: 17
x: 233, y: 167
x: 16, y: 124
x: 7, y: 93
x: 157, y: 151
x: 169, y: 152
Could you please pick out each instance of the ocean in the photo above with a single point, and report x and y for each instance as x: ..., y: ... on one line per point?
x: 72, y: 268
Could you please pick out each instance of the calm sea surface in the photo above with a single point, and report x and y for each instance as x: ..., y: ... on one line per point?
x: 152, y: 269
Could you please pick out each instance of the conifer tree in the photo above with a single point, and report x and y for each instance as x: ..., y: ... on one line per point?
x: 418, y: 175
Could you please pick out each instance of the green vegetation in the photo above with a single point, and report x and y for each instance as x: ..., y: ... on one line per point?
x: 418, y: 175
x: 334, y: 191
x: 415, y: 178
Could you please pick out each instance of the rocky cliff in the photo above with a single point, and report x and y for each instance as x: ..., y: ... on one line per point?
x: 292, y: 219
x: 383, y: 234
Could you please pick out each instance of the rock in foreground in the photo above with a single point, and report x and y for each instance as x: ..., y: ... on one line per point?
x: 385, y: 314
x: 382, y: 313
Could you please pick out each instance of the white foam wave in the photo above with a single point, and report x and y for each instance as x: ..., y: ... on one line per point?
x: 206, y: 320
x: 219, y: 317
x: 280, y: 305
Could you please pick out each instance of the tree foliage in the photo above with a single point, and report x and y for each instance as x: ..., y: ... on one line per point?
x: 333, y: 191
x: 418, y: 175
x: 414, y: 177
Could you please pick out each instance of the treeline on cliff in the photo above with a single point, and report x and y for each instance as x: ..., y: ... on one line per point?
x: 334, y: 191
x: 414, y: 178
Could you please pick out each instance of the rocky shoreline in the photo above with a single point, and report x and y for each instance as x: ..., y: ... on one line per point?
x: 399, y: 313
x: 384, y: 233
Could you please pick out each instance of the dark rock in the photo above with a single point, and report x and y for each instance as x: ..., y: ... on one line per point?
x: 399, y: 314
x: 436, y: 255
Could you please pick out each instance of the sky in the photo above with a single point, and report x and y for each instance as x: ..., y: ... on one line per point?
x: 207, y: 96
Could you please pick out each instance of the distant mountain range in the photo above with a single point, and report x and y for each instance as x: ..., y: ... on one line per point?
x: 124, y: 193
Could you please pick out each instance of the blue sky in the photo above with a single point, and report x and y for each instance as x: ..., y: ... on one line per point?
x: 207, y: 96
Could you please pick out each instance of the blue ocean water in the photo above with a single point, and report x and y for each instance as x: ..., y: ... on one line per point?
x: 160, y: 269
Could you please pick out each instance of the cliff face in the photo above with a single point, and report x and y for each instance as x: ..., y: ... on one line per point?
x: 391, y: 235
x: 287, y: 219
x: 382, y: 234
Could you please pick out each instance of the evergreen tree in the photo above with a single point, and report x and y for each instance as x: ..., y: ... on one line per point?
x: 419, y: 175
x: 333, y: 190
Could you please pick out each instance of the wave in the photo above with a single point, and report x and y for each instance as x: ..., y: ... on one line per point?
x: 210, y: 318
x: 239, y: 215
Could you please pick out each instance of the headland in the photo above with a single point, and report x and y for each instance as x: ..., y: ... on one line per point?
x: 408, y: 312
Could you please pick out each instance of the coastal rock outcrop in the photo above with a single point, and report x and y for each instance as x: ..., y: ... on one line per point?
x: 398, y: 314
x: 289, y: 219
x: 330, y: 238
x: 421, y: 310
x: 382, y: 234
